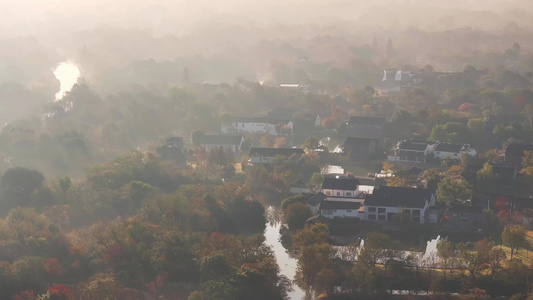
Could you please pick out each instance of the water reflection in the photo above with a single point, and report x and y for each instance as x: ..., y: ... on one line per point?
x: 287, y: 264
x: 67, y: 73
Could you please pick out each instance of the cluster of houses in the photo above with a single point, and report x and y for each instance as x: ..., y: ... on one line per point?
x: 341, y: 197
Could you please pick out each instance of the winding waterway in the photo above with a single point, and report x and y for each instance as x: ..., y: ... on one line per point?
x: 287, y: 264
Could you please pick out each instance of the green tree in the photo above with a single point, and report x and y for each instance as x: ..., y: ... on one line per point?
x: 313, y: 259
x: 293, y: 199
x: 402, y: 117
x: 295, y: 215
x: 476, y: 127
x: 317, y: 179
x: 514, y: 236
x: 378, y: 248
x: 18, y: 183
x: 310, y: 235
x: 451, y: 190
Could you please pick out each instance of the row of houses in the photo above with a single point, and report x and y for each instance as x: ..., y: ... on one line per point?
x: 342, y: 198
x: 272, y: 125
x: 417, y: 151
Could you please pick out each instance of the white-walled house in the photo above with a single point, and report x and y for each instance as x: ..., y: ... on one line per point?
x: 334, y: 187
x: 258, y: 125
x: 380, y: 209
x: 442, y: 150
x: 225, y: 141
x: 411, y: 151
x: 388, y: 203
x: 313, y: 204
x: 340, y: 209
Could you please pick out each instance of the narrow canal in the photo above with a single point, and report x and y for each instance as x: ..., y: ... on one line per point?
x: 287, y: 264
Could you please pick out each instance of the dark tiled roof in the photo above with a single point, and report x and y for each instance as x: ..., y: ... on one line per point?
x: 365, y: 127
x: 402, y: 192
x: 339, y: 205
x: 299, y: 182
x: 220, y: 139
x: 517, y: 149
x: 414, y: 171
x: 271, y: 152
x: 379, y: 200
x: 175, y: 139
x: 413, y: 145
x: 357, y: 142
x: 316, y: 199
x: 446, y: 147
x: 367, y: 120
x: 265, y: 120
x: 332, y: 183
x: 366, y: 180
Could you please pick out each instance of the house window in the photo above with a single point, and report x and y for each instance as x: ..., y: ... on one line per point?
x: 338, y: 193
x: 381, y: 210
x: 349, y: 194
x: 328, y: 193
x: 416, y: 212
x: 372, y: 209
x: 327, y: 212
x: 381, y: 218
x: 407, y: 211
x: 372, y: 217
x: 455, y: 154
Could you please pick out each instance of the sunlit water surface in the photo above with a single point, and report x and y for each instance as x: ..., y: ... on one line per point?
x: 68, y: 74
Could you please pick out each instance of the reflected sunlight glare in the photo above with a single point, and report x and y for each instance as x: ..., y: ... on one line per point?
x: 67, y: 73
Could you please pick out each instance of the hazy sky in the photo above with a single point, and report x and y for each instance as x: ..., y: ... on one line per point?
x: 26, y: 17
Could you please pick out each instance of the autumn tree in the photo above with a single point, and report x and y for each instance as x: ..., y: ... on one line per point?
x: 311, y: 143
x: 514, y: 236
x: 432, y: 177
x: 378, y: 248
x: 101, y: 286
x: 527, y: 163
x: 485, y: 177
x: 447, y: 255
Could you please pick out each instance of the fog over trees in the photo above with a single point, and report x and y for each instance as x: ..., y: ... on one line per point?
x: 185, y: 130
